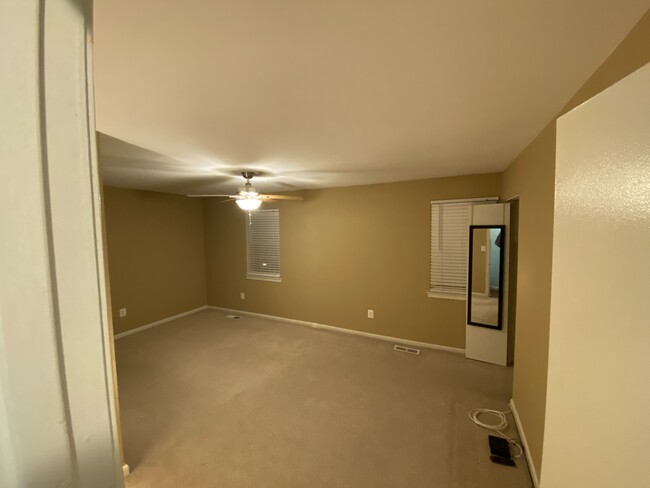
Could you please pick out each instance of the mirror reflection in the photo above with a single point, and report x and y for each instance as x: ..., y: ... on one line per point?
x: 485, y: 275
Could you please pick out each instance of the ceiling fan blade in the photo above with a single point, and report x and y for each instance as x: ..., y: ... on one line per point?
x: 207, y: 196
x: 280, y: 197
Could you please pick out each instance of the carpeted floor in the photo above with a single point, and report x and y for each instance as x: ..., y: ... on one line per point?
x: 485, y: 310
x: 214, y: 402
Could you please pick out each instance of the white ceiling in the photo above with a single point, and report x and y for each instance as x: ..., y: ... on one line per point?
x: 332, y: 92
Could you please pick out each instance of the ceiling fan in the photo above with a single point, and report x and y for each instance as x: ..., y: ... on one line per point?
x: 248, y: 198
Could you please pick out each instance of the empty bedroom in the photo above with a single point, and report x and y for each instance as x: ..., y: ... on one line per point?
x: 329, y: 232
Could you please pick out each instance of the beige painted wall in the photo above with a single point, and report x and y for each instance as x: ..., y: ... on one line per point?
x: 344, y: 251
x: 532, y: 177
x: 156, y: 255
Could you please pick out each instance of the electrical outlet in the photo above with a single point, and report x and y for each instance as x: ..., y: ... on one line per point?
x: 242, y: 295
x: 122, y: 312
x: 371, y: 314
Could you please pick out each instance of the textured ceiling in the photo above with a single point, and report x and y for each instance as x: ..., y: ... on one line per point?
x: 335, y: 93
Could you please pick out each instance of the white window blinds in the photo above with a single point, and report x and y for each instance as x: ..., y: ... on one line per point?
x: 263, y: 243
x: 449, y: 243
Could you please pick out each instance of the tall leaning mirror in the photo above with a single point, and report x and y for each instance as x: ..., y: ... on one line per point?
x: 485, y: 280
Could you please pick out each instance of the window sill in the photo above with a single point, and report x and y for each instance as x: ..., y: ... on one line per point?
x: 448, y: 296
x: 276, y: 279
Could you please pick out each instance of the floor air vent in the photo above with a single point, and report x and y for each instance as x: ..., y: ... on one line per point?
x: 408, y: 350
x: 233, y: 317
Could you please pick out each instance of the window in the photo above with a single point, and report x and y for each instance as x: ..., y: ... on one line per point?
x: 263, y: 245
x: 450, y: 222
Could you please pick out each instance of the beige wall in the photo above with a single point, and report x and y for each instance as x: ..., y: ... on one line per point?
x: 344, y: 251
x: 532, y: 177
x: 156, y: 255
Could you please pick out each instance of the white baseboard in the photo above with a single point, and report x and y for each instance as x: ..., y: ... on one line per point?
x: 341, y: 329
x: 524, y: 443
x: 315, y: 325
x: 126, y: 470
x: 158, y: 322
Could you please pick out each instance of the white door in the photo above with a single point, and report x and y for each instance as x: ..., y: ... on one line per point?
x: 57, y: 406
x: 486, y: 329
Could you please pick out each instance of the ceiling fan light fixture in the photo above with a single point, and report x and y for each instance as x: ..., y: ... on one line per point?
x: 249, y: 203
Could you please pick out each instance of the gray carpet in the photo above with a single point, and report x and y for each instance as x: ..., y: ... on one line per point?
x: 213, y: 402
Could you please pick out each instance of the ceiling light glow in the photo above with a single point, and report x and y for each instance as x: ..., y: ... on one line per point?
x: 249, y: 203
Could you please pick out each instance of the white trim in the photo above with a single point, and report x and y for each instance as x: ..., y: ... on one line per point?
x: 449, y: 296
x: 126, y: 470
x: 158, y: 322
x: 276, y: 279
x: 524, y: 442
x: 468, y: 200
x: 315, y: 325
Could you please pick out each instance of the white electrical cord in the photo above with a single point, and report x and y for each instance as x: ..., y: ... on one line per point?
x: 498, y: 428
